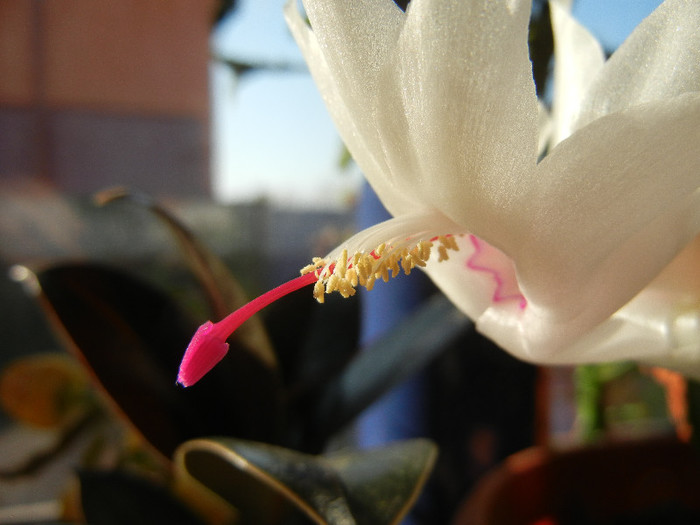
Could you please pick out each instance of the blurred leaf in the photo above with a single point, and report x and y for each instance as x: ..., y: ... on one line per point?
x: 677, y: 398
x: 223, y: 9
x: 244, y: 67
x: 43, y: 390
x: 384, y: 364
x: 68, y: 434
x: 345, y: 158
x: 541, y: 45
x: 267, y: 484
x: 590, y: 381
x: 693, y: 402
x: 221, y: 289
x: 314, y: 341
x: 383, y: 484
x: 118, y: 498
x: 132, y: 336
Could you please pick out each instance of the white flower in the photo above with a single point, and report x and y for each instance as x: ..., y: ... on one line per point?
x: 437, y: 106
x: 590, y: 254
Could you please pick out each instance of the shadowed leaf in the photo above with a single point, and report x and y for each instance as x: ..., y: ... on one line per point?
x: 267, y: 483
x: 117, y: 498
x: 44, y: 390
x: 693, y: 406
x: 131, y: 336
x: 222, y: 291
x: 384, y: 364
x: 382, y: 484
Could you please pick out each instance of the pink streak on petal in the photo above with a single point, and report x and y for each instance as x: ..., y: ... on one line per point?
x: 506, y: 286
x: 207, y: 347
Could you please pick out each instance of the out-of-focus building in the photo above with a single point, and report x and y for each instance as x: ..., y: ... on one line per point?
x: 95, y: 93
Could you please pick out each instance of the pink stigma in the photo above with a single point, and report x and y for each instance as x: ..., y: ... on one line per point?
x: 208, y: 345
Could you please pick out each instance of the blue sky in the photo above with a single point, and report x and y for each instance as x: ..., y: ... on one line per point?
x: 272, y: 136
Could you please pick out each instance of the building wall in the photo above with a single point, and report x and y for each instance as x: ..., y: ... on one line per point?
x: 95, y: 93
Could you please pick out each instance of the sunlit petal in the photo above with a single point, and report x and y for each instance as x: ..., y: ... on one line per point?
x: 423, y: 225
x: 464, y: 95
x: 659, y: 326
x: 360, y: 137
x: 477, y: 278
x: 578, y: 58
x: 544, y: 128
x: 660, y: 59
x: 612, y: 205
x: 419, y: 117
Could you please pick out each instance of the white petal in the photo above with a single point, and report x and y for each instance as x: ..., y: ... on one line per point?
x: 461, y: 94
x: 578, y: 58
x: 402, y: 229
x: 611, y: 206
x: 356, y: 39
x: 544, y: 128
x: 360, y: 137
x: 443, y: 118
x: 478, y: 277
x: 660, y: 59
x: 660, y: 326
x: 668, y: 311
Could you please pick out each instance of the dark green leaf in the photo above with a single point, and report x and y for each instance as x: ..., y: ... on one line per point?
x: 383, y: 484
x: 386, y: 363
x: 222, y: 291
x: 132, y: 337
x: 118, y: 498
x: 267, y: 483
x: 314, y: 341
x: 223, y: 9
x: 693, y: 401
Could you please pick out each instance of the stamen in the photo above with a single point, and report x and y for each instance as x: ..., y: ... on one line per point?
x: 342, y: 275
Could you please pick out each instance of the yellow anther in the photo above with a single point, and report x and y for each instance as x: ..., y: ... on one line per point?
x: 382, y: 272
x: 345, y: 273
x: 425, y: 247
x: 346, y: 290
x: 448, y: 242
x: 406, y: 262
x: 341, y: 264
x: 332, y: 283
x: 362, y: 280
x: 319, y: 291
x: 317, y: 263
x: 308, y: 268
x: 351, y: 276
x: 363, y: 269
x: 393, y: 264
